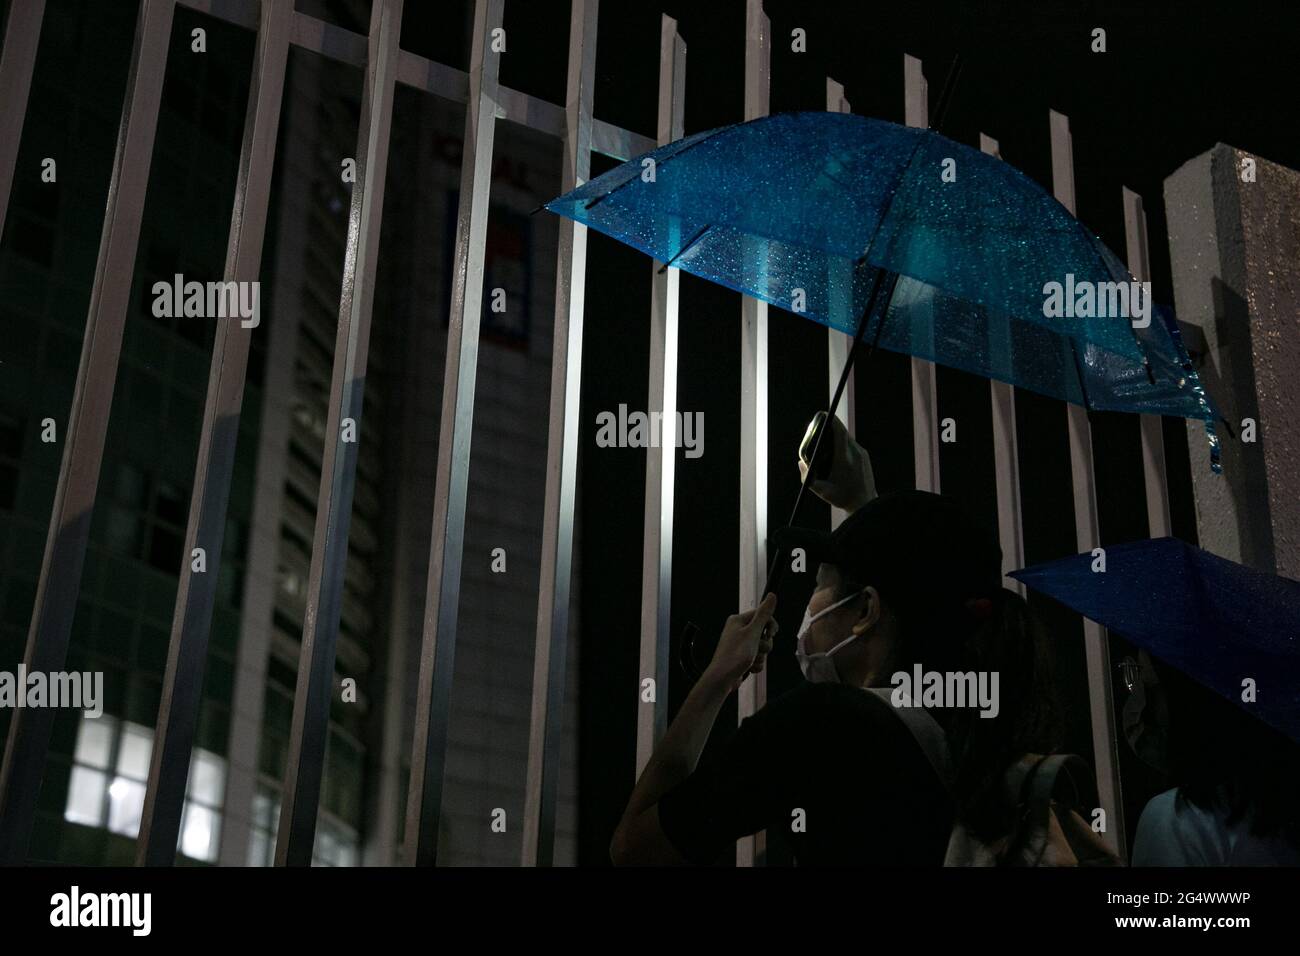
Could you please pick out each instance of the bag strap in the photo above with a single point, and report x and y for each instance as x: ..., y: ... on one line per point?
x: 1046, y: 782
x: 1034, y: 782
x: 1038, y: 789
x: 926, y: 731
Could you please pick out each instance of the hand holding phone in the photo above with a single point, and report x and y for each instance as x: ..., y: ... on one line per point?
x: 841, y: 468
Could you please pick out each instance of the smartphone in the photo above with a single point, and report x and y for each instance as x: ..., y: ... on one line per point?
x: 821, y: 468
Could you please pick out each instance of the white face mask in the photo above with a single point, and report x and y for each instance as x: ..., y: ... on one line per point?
x: 820, y: 667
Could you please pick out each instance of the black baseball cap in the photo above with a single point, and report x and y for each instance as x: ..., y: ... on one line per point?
x: 922, y: 551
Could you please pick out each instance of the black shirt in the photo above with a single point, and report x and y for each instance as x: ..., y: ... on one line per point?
x: 867, y: 793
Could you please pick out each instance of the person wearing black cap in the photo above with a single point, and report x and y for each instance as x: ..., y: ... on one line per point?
x: 908, y: 581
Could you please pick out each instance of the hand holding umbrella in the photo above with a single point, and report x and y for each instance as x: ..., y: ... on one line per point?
x: 842, y: 474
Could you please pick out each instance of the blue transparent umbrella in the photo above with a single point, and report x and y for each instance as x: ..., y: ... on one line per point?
x: 842, y: 219
x: 1217, y: 621
x: 937, y: 250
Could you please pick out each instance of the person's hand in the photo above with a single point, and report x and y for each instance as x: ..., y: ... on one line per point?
x: 743, y: 647
x: 851, y: 483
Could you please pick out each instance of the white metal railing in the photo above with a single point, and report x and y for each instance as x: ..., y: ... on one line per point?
x: 1101, y: 704
x: 753, y: 409
x: 657, y: 543
x: 555, y: 586
x: 278, y: 28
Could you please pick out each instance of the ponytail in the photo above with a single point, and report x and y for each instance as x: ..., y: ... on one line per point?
x: 996, y: 634
x: 1011, y: 642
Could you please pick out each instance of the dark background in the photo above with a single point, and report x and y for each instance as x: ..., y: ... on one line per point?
x: 1176, y: 78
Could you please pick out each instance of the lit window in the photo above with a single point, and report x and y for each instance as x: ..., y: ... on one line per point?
x: 133, y: 753
x: 207, y: 778
x: 259, y: 849
x: 266, y: 817
x: 125, y: 806
x: 337, y: 844
x: 95, y: 741
x: 347, y: 854
x: 86, y: 797
x: 115, y: 801
x: 199, y: 832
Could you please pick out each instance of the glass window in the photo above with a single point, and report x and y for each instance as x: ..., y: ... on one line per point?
x: 118, y: 805
x: 11, y: 442
x: 125, y: 806
x: 326, y: 846
x: 165, y: 548
x: 95, y: 742
x: 133, y: 757
x: 122, y: 532
x: 172, y: 504
x: 259, y: 849
x: 130, y: 485
x: 262, y: 809
x: 336, y: 843
x: 347, y: 854
x: 352, y: 15
x: 86, y: 797
x: 266, y: 816
x: 199, y: 832
x: 207, y: 778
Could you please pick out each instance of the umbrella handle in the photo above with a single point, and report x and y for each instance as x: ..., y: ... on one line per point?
x: 882, y: 291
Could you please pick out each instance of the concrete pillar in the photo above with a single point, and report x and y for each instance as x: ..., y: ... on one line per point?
x: 1234, y: 241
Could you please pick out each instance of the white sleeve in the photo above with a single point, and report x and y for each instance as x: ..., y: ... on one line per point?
x: 1170, y: 836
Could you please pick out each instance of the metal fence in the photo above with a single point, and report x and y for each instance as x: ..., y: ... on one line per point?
x: 278, y: 27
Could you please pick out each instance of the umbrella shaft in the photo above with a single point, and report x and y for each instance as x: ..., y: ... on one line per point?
x: 881, y: 292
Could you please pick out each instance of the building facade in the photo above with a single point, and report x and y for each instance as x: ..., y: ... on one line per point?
x: 94, y: 784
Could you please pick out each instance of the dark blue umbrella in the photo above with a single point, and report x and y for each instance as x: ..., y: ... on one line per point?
x: 823, y: 213
x: 1214, y: 620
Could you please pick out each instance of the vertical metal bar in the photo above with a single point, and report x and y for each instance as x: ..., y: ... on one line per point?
x: 260, y: 585
x: 753, y: 408
x: 311, y: 704
x: 1087, y: 533
x: 657, y: 559
x: 437, y: 652
x: 22, y: 38
x: 410, y: 492
x: 925, y: 405
x: 380, y: 847
x: 192, y: 619
x: 74, y: 498
x: 554, y: 586
x: 1153, y: 439
x: 1006, y: 460
x: 841, y: 290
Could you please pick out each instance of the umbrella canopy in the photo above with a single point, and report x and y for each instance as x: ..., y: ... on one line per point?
x: 1216, y: 621
x: 804, y: 210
